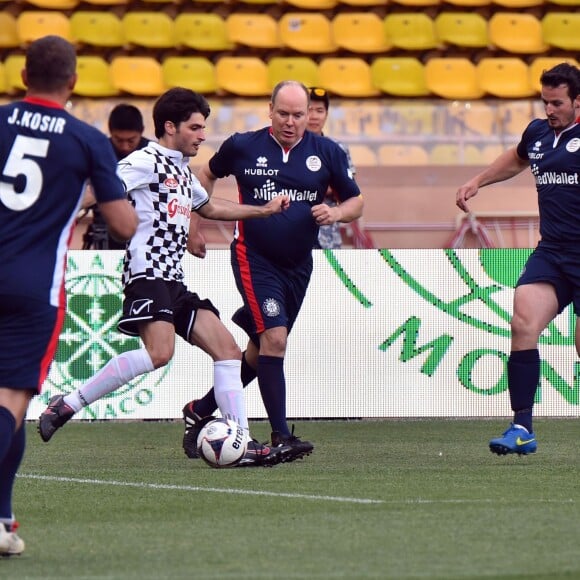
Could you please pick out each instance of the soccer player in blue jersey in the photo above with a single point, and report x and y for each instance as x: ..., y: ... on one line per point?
x: 551, y: 278
x: 158, y: 305
x: 46, y: 156
x: 272, y: 258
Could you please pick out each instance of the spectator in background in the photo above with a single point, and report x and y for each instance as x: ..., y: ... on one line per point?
x: 329, y: 236
x: 126, y: 135
x: 45, y: 167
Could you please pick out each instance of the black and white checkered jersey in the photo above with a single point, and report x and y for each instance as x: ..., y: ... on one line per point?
x: 164, y: 192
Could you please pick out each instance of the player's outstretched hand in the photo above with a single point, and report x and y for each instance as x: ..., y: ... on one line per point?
x: 278, y: 204
x: 464, y: 193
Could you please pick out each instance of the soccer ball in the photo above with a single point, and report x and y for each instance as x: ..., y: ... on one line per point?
x: 221, y: 443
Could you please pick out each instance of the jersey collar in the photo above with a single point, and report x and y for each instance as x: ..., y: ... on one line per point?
x: 43, y: 102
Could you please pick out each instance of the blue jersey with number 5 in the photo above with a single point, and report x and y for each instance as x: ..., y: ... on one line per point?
x: 46, y: 158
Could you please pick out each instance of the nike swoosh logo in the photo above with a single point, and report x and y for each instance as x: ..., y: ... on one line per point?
x: 520, y: 441
x: 141, y: 307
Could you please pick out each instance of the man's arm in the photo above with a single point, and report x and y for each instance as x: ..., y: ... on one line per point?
x: 507, y: 165
x: 223, y: 209
x: 121, y: 218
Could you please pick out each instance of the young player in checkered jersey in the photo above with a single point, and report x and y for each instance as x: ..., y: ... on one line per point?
x: 157, y: 304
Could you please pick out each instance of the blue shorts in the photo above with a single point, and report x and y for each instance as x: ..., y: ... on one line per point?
x: 272, y: 295
x: 149, y: 300
x: 29, y: 332
x: 558, y: 266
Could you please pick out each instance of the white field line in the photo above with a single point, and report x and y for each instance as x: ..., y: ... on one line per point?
x: 229, y: 491
x: 233, y: 491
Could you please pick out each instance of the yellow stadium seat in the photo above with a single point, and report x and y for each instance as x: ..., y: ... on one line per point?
x: 34, y: 24
x: 363, y: 3
x: 400, y: 76
x: 518, y: 3
x: 400, y: 155
x: 191, y: 72
x: 562, y: 30
x: 469, y: 3
x: 8, y: 31
x: 148, y: 29
x: 246, y: 76
x: 13, y: 65
x: 455, y: 154
x: 94, y: 78
x: 3, y: 81
x: 542, y: 63
x: 306, y: 32
x: 411, y: 31
x: 313, y: 4
x: 296, y: 68
x: 505, y: 77
x: 362, y: 32
x: 262, y: 2
x: 54, y: 4
x: 201, y: 31
x: 97, y: 28
x: 254, y: 30
x: 107, y: 2
x: 417, y: 2
x: 465, y: 29
x: 347, y: 77
x: 564, y: 2
x: 363, y: 155
x: 137, y: 75
x: 519, y: 33
x: 452, y: 78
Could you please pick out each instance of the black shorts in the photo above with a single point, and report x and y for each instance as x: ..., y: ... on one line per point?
x: 150, y: 300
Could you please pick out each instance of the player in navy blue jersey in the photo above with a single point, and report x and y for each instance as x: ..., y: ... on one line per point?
x: 157, y: 305
x: 46, y: 156
x: 551, y: 279
x: 272, y: 258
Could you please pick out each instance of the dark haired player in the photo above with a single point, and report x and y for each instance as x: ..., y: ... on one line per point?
x: 157, y: 305
x: 46, y: 155
x: 551, y: 278
x: 272, y: 258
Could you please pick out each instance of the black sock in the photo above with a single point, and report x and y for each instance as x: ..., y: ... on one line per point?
x: 523, y: 379
x: 273, y: 389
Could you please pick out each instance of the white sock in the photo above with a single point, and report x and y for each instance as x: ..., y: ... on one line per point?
x: 117, y: 372
x: 229, y: 392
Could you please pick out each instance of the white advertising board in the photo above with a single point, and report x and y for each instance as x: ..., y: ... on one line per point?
x: 382, y: 333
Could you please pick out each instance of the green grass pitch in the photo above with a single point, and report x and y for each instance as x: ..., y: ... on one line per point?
x: 416, y: 499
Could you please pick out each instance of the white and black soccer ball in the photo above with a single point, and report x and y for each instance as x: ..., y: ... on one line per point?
x: 222, y: 443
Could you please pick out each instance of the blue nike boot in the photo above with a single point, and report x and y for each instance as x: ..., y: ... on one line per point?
x: 516, y: 439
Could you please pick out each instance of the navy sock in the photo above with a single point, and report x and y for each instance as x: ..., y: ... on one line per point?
x: 207, y: 405
x: 273, y: 389
x: 523, y: 379
x: 11, y: 452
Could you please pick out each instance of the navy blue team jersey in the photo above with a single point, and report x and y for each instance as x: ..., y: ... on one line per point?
x: 555, y: 165
x: 264, y: 169
x: 46, y: 155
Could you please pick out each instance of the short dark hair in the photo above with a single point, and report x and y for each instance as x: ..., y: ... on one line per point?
x: 177, y: 105
x: 50, y: 63
x: 125, y: 117
x: 319, y: 95
x: 563, y: 74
